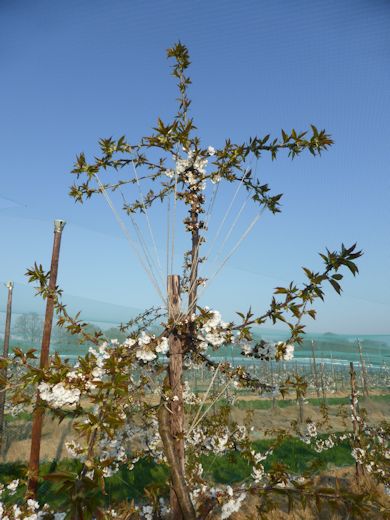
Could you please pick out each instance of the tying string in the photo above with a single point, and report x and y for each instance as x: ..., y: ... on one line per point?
x: 168, y: 228
x: 233, y: 225
x: 174, y: 211
x: 193, y: 426
x: 148, y: 270
x: 227, y: 236
x: 228, y: 256
x: 203, y: 400
x: 148, y: 223
x: 144, y: 245
x: 227, y: 213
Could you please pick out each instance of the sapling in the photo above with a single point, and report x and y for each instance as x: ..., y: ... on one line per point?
x: 136, y: 388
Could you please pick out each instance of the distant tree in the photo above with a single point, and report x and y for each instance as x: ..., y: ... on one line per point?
x: 61, y: 336
x: 29, y: 327
x: 115, y: 333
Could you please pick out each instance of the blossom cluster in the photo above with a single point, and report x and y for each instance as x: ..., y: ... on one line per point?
x: 212, y: 331
x: 147, y: 350
x: 24, y: 510
x: 266, y: 351
x: 59, y: 395
x: 192, y: 169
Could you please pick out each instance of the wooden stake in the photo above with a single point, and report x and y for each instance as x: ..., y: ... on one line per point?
x: 176, y: 385
x: 316, y: 382
x: 363, y: 370
x: 7, y: 331
x: 323, y: 390
x: 356, y: 425
x: 33, y: 467
x: 272, y: 383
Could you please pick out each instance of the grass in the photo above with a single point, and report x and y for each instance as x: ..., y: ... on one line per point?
x: 223, y: 469
x: 22, y: 416
x: 124, y: 485
x: 266, y: 404
x: 297, y: 456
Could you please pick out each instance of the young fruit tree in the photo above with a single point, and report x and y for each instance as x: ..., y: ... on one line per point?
x: 131, y: 400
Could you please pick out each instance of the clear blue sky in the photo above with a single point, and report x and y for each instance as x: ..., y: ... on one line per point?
x: 75, y: 71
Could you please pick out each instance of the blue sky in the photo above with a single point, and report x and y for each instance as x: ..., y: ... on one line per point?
x: 75, y: 71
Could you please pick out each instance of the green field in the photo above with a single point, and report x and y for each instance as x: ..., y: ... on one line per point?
x: 230, y: 468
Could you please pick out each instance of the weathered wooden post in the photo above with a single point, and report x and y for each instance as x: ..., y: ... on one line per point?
x: 33, y: 467
x: 171, y: 413
x: 356, y: 424
x: 176, y: 370
x: 176, y: 385
x: 301, y: 410
x: 316, y: 382
x: 10, y: 286
x: 363, y: 370
x: 272, y: 383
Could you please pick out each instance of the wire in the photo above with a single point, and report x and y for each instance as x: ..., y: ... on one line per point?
x: 207, y: 256
x: 229, y: 255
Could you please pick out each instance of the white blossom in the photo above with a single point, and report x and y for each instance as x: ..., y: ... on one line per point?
x: 163, y: 346
x: 129, y: 342
x: 58, y: 395
x: 145, y: 354
x: 147, y: 512
x: 13, y: 486
x: 311, y: 429
x: 32, y: 504
x: 232, y: 506
x: 257, y: 473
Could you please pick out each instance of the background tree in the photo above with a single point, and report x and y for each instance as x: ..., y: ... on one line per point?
x: 115, y: 333
x: 29, y: 327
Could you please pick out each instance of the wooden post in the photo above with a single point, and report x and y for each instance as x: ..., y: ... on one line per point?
x: 316, y: 383
x: 33, y: 467
x: 363, y: 370
x: 356, y: 425
x: 176, y: 385
x: 334, y: 376
x: 272, y: 383
x: 7, y: 331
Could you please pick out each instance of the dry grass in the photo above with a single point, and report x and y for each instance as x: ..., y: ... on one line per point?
x: 366, y: 485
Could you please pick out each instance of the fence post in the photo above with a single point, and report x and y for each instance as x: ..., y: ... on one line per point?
x: 7, y: 331
x: 33, y: 467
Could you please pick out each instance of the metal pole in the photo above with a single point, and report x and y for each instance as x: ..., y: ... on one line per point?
x: 33, y: 467
x: 10, y: 286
